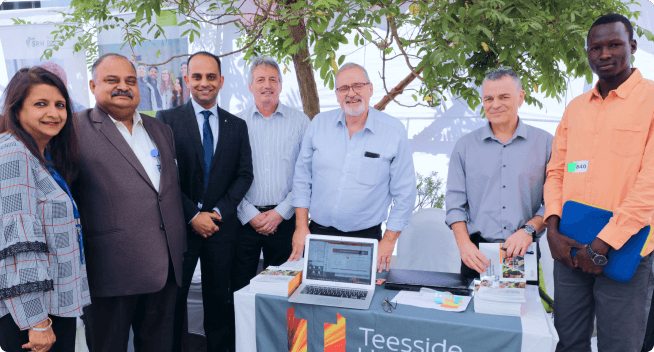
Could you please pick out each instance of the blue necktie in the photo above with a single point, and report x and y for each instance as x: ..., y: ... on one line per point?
x: 207, y: 146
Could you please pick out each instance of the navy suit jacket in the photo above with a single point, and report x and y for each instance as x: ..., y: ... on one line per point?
x: 230, y: 175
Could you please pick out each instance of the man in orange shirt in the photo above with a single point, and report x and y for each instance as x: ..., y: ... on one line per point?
x: 609, y: 129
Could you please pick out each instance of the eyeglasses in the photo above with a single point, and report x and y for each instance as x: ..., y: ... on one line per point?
x: 387, y: 306
x: 357, y: 88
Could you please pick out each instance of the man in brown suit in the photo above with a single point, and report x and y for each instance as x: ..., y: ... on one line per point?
x: 130, y: 206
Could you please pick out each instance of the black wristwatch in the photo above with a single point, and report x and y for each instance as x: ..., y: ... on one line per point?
x: 598, y: 259
x: 530, y: 230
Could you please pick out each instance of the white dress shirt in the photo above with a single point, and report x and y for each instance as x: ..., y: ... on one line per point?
x: 142, y: 145
x: 213, y: 121
x: 213, y: 124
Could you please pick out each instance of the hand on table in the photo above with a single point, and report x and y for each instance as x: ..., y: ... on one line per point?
x: 299, y: 237
x: 472, y: 257
x: 517, y: 244
x: 40, y: 341
x: 203, y: 223
x: 385, y: 250
x: 560, y: 245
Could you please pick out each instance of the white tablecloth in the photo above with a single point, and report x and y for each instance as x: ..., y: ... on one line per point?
x: 538, y: 334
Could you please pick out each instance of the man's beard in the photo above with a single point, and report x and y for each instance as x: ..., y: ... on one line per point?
x: 354, y: 111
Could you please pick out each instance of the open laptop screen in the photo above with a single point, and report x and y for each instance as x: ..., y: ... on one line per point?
x: 340, y: 261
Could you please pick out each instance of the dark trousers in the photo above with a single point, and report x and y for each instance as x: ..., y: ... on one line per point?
x: 12, y: 338
x: 373, y: 232
x: 108, y: 320
x: 648, y: 343
x: 277, y: 247
x: 215, y: 264
x: 618, y: 307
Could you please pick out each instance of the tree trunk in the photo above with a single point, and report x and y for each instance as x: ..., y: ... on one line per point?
x: 304, y: 72
x: 399, y: 89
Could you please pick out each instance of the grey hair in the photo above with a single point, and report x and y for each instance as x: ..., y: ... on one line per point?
x: 97, y: 63
x: 350, y: 65
x: 501, y: 73
x: 264, y: 61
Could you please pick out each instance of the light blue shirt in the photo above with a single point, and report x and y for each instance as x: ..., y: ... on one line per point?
x: 213, y: 125
x: 275, y: 143
x: 350, y: 183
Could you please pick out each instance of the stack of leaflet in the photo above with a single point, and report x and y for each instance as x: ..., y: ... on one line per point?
x: 502, y: 288
x: 277, y: 281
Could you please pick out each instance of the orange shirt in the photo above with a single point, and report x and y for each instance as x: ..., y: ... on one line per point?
x: 614, y: 136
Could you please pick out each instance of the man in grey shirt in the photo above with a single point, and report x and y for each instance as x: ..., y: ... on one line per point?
x: 266, y: 213
x: 496, y: 177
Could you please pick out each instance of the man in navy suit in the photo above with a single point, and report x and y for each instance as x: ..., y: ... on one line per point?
x: 215, y: 169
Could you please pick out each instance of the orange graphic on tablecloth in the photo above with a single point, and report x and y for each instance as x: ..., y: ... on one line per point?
x: 297, y: 332
x: 335, y: 335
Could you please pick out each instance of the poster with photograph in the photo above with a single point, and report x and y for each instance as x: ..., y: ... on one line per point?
x: 23, y: 46
x: 510, y: 269
x: 161, y: 86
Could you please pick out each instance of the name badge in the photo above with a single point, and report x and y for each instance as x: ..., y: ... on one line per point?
x: 578, y: 166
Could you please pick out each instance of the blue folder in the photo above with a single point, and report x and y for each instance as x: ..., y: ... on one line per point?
x: 583, y: 222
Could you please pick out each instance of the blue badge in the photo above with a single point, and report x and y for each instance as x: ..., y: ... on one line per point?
x: 154, y: 152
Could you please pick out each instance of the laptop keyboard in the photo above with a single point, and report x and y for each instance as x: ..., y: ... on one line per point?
x: 335, y: 292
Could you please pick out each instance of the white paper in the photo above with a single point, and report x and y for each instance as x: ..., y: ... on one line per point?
x: 293, y: 265
x: 413, y: 298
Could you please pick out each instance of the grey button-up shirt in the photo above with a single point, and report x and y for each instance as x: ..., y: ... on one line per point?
x: 495, y: 187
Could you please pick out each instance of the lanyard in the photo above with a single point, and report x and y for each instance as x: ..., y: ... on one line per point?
x: 60, y: 181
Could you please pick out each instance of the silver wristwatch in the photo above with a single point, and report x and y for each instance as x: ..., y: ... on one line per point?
x: 530, y: 230
x: 598, y: 259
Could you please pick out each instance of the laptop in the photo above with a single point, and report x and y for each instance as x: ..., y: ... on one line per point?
x: 413, y: 280
x: 338, y: 272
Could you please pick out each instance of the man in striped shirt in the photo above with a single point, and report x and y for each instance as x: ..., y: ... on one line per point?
x: 266, y: 213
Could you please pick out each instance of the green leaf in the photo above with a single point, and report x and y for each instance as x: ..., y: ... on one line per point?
x: 287, y: 42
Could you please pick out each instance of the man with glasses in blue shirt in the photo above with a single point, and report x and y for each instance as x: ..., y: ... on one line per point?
x: 353, y: 163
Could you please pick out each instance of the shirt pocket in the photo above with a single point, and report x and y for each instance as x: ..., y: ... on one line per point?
x: 628, y: 140
x: 369, y: 170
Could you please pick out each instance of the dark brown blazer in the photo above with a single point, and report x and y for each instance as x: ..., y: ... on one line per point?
x: 131, y: 230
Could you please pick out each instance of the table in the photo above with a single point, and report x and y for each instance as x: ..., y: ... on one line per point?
x: 263, y: 320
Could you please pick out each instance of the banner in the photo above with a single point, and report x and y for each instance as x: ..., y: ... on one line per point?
x: 23, y: 46
x: 283, y: 326
x: 160, y: 86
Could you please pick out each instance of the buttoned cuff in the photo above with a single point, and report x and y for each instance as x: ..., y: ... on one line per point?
x: 247, y: 213
x: 217, y: 211
x: 553, y: 209
x: 285, y: 209
x: 614, y: 236
x: 455, y: 215
x: 396, y: 225
x: 194, y: 217
x: 301, y: 202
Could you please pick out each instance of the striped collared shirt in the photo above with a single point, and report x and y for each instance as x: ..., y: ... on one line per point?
x: 275, y: 143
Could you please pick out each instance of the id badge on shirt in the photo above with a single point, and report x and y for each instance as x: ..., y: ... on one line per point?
x: 155, y: 154
x: 578, y: 166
